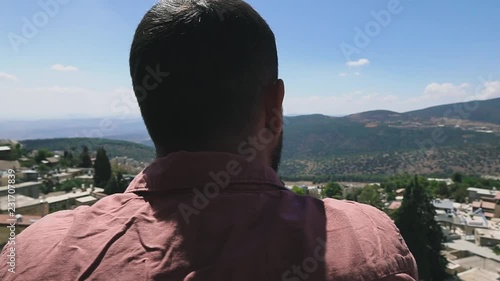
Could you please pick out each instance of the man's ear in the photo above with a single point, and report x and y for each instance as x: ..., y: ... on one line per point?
x: 274, y: 106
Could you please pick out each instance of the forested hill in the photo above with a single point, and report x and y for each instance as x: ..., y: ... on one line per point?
x: 371, y: 143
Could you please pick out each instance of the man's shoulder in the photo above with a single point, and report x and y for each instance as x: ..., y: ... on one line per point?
x: 67, y: 235
x: 366, y: 239
x: 360, y: 216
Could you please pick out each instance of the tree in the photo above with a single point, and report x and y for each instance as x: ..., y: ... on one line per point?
x: 68, y: 185
x: 299, y: 190
x: 354, y: 194
x: 47, y: 186
x: 370, y: 195
x: 332, y: 190
x: 423, y: 235
x: 115, y: 185
x: 102, y: 168
x: 42, y: 154
x: 69, y: 160
x: 85, y: 161
x: 442, y: 190
x: 459, y: 192
x: 457, y: 178
x: 43, y: 169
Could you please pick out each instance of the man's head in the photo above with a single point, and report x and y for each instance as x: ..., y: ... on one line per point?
x: 205, y: 73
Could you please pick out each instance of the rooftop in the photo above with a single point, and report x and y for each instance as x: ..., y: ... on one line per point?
x: 21, y: 185
x: 24, y: 220
x: 21, y: 201
x: 482, y: 191
x: 77, y: 194
x: 4, y: 148
x: 447, y: 181
x: 488, y: 233
x: 401, y: 190
x: 475, y: 221
x: 473, y: 248
x: 86, y: 199
x: 5, y: 165
x: 394, y: 205
x: 52, y: 159
x: 443, y: 204
x: 477, y: 274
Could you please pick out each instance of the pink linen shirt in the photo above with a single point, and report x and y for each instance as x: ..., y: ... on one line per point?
x: 211, y: 216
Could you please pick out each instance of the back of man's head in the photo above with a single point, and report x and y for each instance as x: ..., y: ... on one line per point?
x: 199, y: 70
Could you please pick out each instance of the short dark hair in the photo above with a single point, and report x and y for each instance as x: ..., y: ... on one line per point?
x: 213, y: 61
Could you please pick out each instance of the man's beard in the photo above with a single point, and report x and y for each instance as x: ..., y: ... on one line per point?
x: 276, y: 155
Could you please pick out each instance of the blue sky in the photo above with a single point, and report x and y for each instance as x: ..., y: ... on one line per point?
x: 75, y: 60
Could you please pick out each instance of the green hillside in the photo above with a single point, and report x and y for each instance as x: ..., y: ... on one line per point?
x: 369, y: 143
x: 317, y: 136
x: 487, y: 111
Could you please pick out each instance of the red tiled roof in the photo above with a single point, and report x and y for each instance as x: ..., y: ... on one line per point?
x: 476, y: 204
x: 394, y: 205
x: 488, y: 205
x: 489, y: 215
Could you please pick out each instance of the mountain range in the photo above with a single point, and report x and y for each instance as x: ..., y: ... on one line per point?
x: 461, y: 137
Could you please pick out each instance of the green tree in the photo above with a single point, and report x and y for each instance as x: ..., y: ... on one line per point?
x: 299, y: 190
x: 102, y: 168
x: 47, y: 186
x: 116, y: 185
x: 69, y: 159
x: 457, y: 177
x: 85, y: 161
x: 442, y: 190
x: 332, y: 190
x: 43, y: 169
x: 370, y: 195
x: 354, y: 194
x: 68, y: 185
x: 423, y: 235
x: 459, y: 192
x: 42, y: 154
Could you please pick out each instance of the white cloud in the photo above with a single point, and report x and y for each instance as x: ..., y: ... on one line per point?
x: 7, y: 76
x: 343, y: 74
x: 432, y: 95
x: 357, y: 63
x: 437, y: 90
x: 64, y: 68
x: 357, y: 73
x: 488, y: 90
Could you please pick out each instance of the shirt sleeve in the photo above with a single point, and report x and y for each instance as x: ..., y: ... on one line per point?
x: 399, y: 277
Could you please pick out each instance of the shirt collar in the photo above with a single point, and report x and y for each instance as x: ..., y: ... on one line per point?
x: 186, y: 170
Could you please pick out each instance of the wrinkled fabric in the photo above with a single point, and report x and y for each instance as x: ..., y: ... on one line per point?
x: 212, y: 216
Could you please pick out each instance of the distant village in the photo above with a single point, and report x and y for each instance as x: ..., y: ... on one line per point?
x: 471, y: 229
